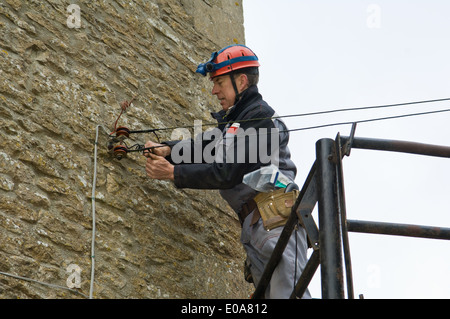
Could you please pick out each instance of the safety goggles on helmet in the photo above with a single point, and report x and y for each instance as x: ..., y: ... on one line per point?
x: 230, y: 58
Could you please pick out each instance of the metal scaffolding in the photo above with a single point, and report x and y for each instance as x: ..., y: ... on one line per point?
x: 325, y: 186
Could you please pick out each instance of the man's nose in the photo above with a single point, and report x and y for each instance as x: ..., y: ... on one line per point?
x: 214, y: 90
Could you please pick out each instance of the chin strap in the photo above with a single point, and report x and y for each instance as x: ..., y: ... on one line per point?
x: 238, y: 95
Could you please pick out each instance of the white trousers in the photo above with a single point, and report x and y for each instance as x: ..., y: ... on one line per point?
x: 259, y: 244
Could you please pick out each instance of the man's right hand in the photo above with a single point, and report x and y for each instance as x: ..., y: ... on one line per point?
x: 163, y: 151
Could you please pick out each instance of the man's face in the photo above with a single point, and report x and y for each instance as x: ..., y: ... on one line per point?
x: 223, y: 89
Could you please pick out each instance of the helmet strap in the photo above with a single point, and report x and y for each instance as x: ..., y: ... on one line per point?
x: 233, y: 82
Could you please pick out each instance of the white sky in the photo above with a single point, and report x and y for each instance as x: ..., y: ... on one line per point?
x: 322, y: 55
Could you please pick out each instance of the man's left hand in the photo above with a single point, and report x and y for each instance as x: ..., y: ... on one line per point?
x: 157, y: 167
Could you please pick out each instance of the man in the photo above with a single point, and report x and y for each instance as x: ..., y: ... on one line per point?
x: 234, y: 73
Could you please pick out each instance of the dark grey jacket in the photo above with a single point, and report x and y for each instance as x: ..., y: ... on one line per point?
x: 254, y: 115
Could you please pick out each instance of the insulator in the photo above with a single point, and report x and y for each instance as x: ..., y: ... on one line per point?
x: 122, y: 131
x: 120, y: 151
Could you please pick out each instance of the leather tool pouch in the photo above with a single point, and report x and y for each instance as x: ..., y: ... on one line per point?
x: 275, y: 207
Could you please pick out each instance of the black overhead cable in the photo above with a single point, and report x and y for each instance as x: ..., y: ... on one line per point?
x: 317, y: 113
x: 369, y: 120
x: 345, y: 123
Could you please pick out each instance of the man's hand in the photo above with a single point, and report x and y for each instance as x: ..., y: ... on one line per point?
x: 157, y: 167
x: 163, y: 151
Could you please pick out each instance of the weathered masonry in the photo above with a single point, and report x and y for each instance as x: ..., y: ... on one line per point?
x: 64, y: 68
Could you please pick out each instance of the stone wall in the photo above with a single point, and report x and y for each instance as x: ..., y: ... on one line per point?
x: 60, y: 79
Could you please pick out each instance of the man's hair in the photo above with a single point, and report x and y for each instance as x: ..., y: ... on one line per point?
x: 251, y: 73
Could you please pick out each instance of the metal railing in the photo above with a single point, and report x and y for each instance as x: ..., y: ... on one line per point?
x: 325, y: 185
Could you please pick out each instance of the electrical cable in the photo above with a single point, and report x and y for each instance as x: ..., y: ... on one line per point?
x: 367, y: 107
x: 295, y: 115
x: 94, y: 182
x: 367, y: 120
x: 42, y: 283
x: 344, y: 123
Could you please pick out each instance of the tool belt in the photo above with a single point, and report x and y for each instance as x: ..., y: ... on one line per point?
x: 274, y: 208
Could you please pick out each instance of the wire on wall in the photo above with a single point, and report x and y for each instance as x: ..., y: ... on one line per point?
x: 43, y: 283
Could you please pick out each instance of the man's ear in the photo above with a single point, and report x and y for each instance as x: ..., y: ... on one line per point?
x: 243, y: 82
